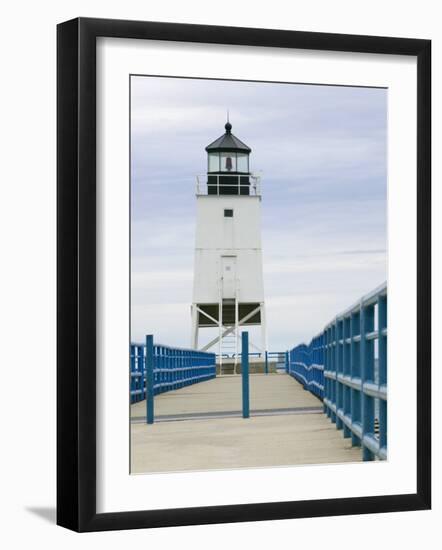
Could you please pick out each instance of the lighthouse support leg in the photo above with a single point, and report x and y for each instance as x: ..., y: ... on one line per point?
x: 194, y: 336
x: 220, y: 325
x: 236, y: 334
x: 228, y: 330
x: 263, y: 332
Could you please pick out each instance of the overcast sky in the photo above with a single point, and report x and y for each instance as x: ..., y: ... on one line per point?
x: 322, y: 153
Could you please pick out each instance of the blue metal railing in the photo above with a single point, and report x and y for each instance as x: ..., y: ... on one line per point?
x: 306, y: 364
x: 278, y: 357
x: 172, y: 368
x: 346, y: 366
x: 233, y: 355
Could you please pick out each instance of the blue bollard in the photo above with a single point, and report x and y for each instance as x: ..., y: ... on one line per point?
x: 149, y: 379
x: 245, y: 375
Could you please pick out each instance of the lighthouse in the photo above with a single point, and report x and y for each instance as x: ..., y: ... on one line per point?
x: 228, y: 290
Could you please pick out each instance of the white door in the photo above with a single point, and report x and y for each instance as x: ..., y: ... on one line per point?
x: 228, y: 267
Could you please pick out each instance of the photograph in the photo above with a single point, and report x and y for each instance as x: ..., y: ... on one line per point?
x: 219, y: 237
x: 258, y: 274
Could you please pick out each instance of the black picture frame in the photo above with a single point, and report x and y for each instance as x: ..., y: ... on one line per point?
x: 76, y: 273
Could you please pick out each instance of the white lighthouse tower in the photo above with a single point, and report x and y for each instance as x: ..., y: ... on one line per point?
x: 228, y: 291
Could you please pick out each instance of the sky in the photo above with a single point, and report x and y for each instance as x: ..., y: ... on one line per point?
x: 322, y: 154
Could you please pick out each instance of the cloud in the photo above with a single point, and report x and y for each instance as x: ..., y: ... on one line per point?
x: 322, y: 151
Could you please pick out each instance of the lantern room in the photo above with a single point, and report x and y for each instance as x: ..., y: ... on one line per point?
x: 228, y: 168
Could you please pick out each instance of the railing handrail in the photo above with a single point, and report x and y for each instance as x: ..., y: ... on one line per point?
x: 365, y: 300
x: 176, y: 348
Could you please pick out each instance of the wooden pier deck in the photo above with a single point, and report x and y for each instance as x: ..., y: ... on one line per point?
x: 200, y: 428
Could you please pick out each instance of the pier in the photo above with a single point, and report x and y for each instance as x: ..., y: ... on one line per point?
x: 200, y: 427
x: 327, y: 404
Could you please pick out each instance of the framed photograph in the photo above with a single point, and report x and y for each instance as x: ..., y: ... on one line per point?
x: 243, y: 274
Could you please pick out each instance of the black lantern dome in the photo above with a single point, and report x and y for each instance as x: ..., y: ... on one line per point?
x: 228, y: 165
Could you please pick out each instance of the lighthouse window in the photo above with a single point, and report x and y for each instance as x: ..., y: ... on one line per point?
x: 228, y: 213
x: 214, y: 162
x: 243, y: 162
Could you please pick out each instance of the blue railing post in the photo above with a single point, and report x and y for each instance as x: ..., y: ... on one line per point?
x: 367, y: 358
x: 382, y: 326
x: 339, y: 372
x: 326, y: 378
x: 245, y: 374
x: 149, y: 379
x: 355, y: 375
x: 267, y: 362
x: 333, y: 352
x: 133, y: 380
x: 346, y: 373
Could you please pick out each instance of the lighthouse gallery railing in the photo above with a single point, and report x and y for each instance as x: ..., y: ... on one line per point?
x: 215, y: 183
x: 346, y: 367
